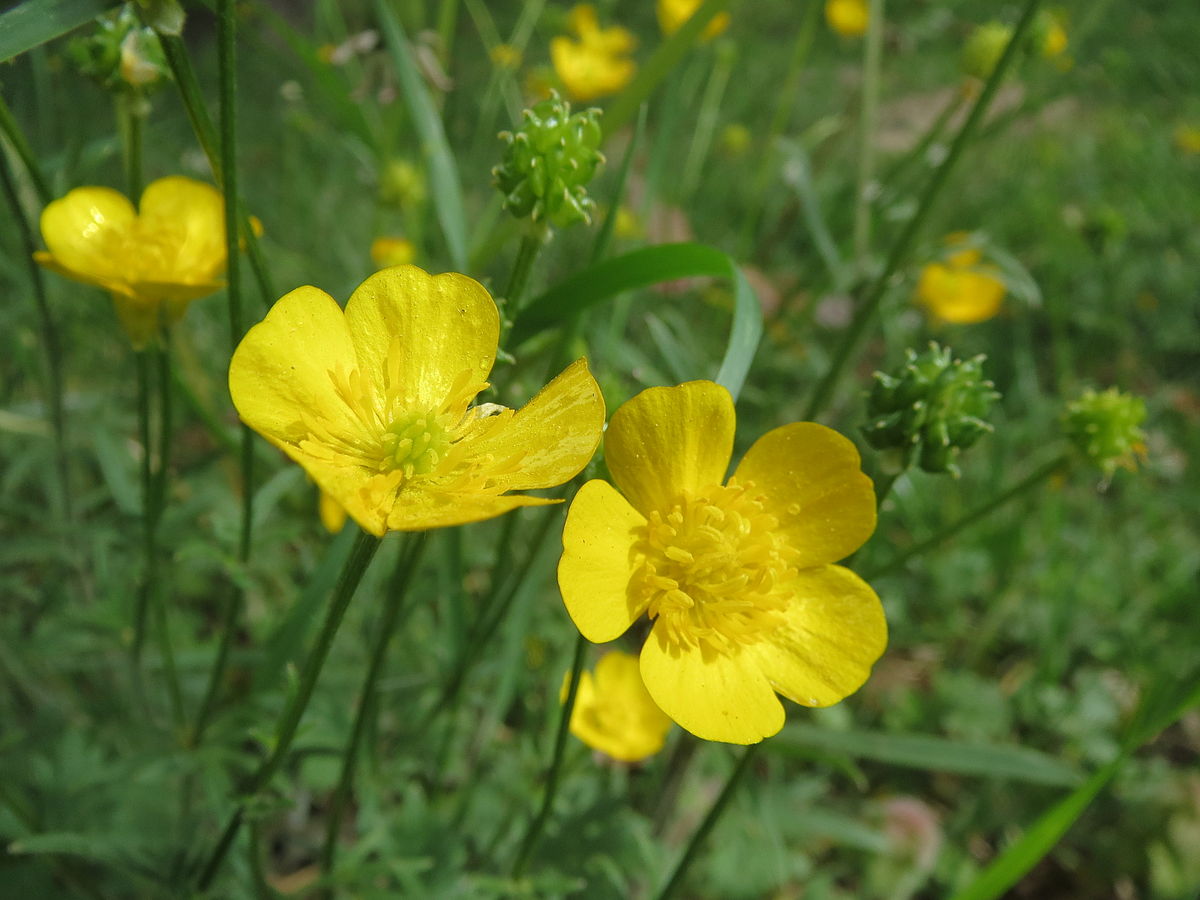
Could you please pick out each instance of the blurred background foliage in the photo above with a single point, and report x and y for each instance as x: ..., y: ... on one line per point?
x: 1019, y: 651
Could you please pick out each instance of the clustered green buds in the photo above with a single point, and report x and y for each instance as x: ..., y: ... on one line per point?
x: 934, y: 406
x: 1105, y: 428
x: 548, y: 163
x: 121, y: 54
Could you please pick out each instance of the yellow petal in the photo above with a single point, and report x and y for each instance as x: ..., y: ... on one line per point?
x: 810, y: 478
x: 279, y: 376
x: 833, y: 633
x: 423, y: 331
x: 667, y: 441
x: 614, y: 712
x: 715, y: 696
x: 333, y: 514
x: 84, y: 232
x: 192, y: 215
x: 420, y: 510
x: 597, y: 565
x: 552, y: 437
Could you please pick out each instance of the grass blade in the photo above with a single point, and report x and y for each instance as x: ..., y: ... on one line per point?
x: 646, y: 267
x: 35, y: 22
x: 443, y: 174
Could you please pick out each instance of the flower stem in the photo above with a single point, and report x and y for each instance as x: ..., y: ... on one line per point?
x: 531, y: 245
x: 12, y: 131
x: 406, y: 569
x: 714, y: 814
x: 1029, y: 482
x: 227, y: 60
x: 50, y: 344
x: 534, y: 832
x: 872, y: 56
x: 706, y: 119
x: 874, y: 293
x: 356, y: 565
x: 130, y: 115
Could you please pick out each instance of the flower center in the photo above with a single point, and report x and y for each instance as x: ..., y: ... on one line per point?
x: 714, y: 566
x: 414, y: 444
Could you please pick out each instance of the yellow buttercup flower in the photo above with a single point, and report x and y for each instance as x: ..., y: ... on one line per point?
x: 154, y: 260
x: 375, y: 402
x: 961, y: 289
x: 673, y: 13
x: 614, y: 712
x: 392, y: 251
x: 847, y: 17
x: 736, y: 575
x: 597, y: 64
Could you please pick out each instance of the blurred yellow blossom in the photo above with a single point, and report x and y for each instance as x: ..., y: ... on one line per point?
x: 505, y: 56
x: 735, y: 139
x: 1187, y: 138
x: 392, y: 251
x: 673, y: 13
x: 375, y: 402
x: 154, y: 260
x: 736, y: 576
x: 333, y: 514
x: 402, y: 184
x: 597, y: 64
x: 961, y: 288
x: 847, y: 17
x: 614, y: 712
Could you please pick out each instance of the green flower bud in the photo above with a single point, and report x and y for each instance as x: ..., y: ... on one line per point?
x: 934, y: 406
x: 984, y: 48
x: 1104, y: 427
x: 548, y: 163
x: 120, y: 54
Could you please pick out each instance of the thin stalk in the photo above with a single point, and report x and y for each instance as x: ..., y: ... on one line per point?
x: 446, y: 24
x: 873, y: 295
x: 50, y: 342
x: 406, y: 569
x: 714, y: 814
x: 1028, y: 483
x: 784, y: 105
x: 12, y: 131
x: 130, y: 115
x: 706, y: 120
x: 872, y: 56
x: 534, y: 832
x: 197, y: 113
x: 162, y: 354
x: 918, y: 151
x: 147, y: 484
x: 227, y: 61
x: 352, y: 573
x: 531, y: 245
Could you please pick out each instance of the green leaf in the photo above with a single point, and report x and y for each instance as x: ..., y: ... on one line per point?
x: 35, y: 22
x: 646, y: 267
x: 443, y: 174
x: 663, y: 60
x: 930, y: 753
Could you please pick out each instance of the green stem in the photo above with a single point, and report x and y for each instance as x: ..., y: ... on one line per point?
x: 130, y: 118
x: 892, y: 175
x: 352, y: 573
x: 406, y: 569
x: 50, y: 343
x: 12, y: 131
x: 446, y: 22
x: 227, y: 62
x: 784, y: 106
x: 162, y: 354
x: 714, y: 814
x: 706, y: 120
x: 872, y: 56
x: 1031, y: 481
x: 197, y: 113
x: 875, y: 292
x: 531, y: 245
x: 534, y: 832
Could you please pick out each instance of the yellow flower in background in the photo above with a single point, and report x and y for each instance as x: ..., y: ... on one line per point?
x: 961, y: 289
x: 614, y: 712
x: 597, y: 64
x: 375, y: 402
x: 1054, y: 42
x: 1187, y: 138
x: 154, y: 260
x: 736, y: 576
x: 847, y: 17
x: 392, y: 251
x: 333, y: 514
x: 672, y: 14
x: 505, y: 56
